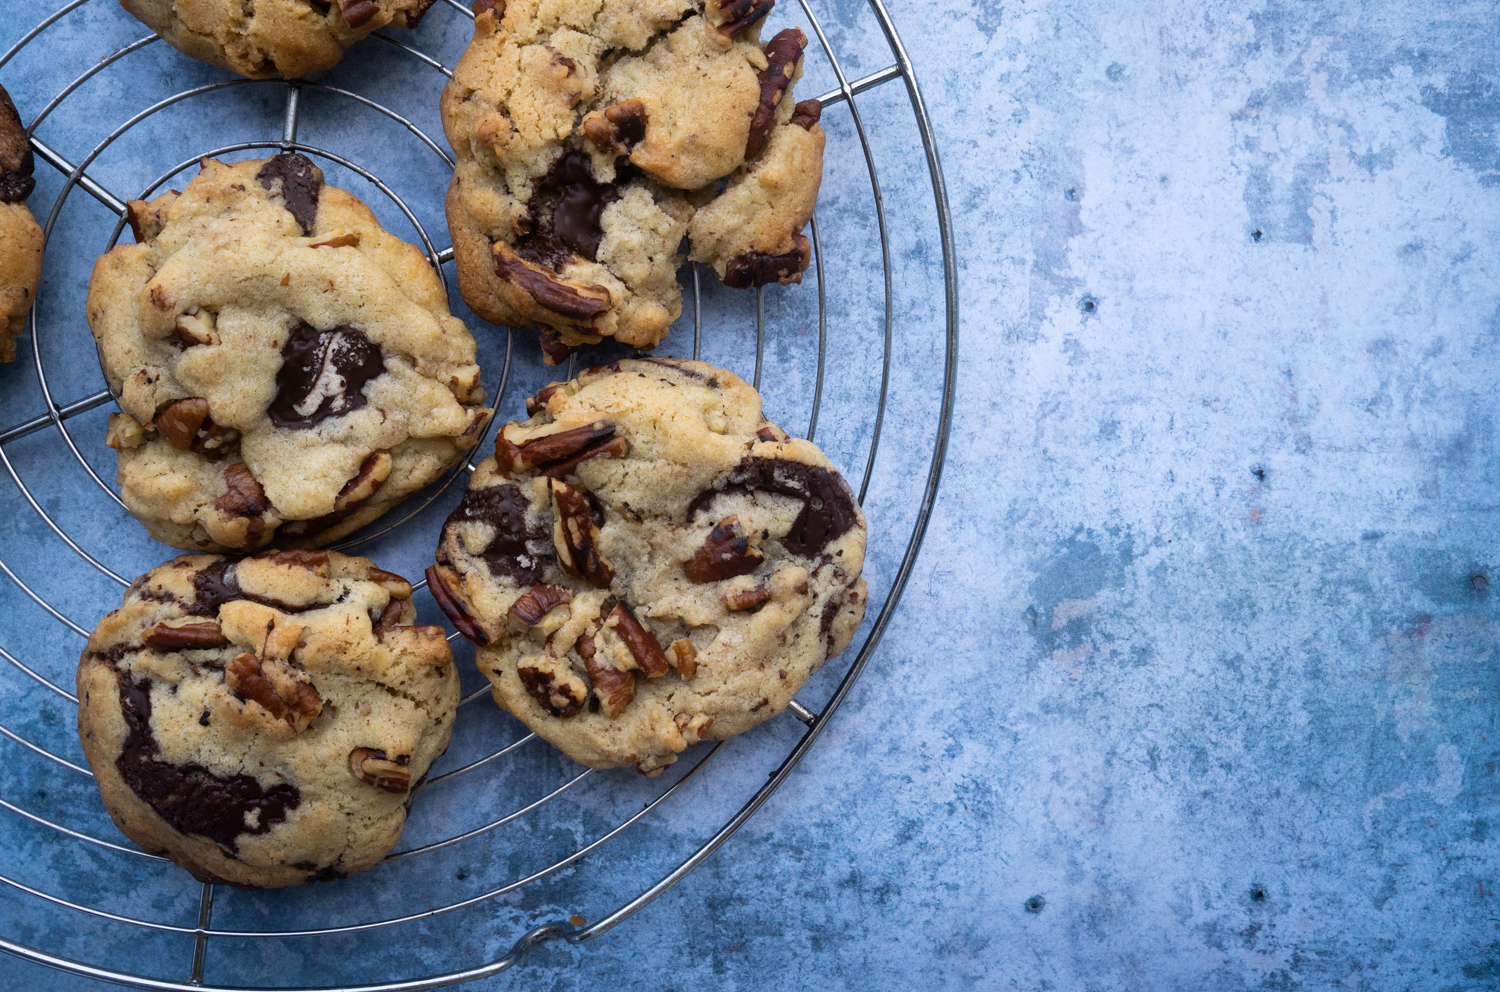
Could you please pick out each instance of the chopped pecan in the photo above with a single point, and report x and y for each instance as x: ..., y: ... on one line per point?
x: 315, y: 562
x: 537, y: 402
x: 531, y: 608
x: 179, y: 423
x: 373, y: 472
x: 244, y: 498
x: 782, y: 56
x: 770, y: 432
x: 577, y: 537
x: 807, y: 113
x: 164, y: 637
x: 577, y: 302
x: 516, y: 457
x: 294, y: 701
x: 618, y: 128
x: 453, y: 605
x: 196, y: 326
x: 392, y: 583
x: 730, y: 17
x: 693, y: 727
x: 614, y: 688
x: 391, y: 616
x: 643, y: 645
x: 560, y: 698
x: 145, y: 217
x: 357, y: 12
x: 124, y: 432
x: 725, y: 554
x: 615, y: 447
x: 747, y: 597
x: 336, y: 239
x: 683, y: 657
x: 372, y: 767
x: 482, y: 6
x: 554, y: 352
x: 756, y: 268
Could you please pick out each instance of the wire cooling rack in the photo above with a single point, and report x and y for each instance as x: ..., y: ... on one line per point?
x: 145, y: 898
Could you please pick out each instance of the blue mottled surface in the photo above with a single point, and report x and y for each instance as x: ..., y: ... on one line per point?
x: 1194, y: 684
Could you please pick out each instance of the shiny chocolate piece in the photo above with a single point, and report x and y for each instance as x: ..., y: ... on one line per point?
x: 519, y: 550
x: 323, y: 374
x: 754, y: 268
x: 827, y: 504
x: 294, y: 178
x: 572, y: 224
x: 190, y: 797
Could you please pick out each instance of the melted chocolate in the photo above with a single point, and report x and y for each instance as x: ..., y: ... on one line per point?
x: 572, y: 224
x: 827, y: 505
x: 322, y: 375
x: 215, y: 585
x: 300, y: 184
x: 190, y: 797
x: 516, y: 550
x: 756, y: 268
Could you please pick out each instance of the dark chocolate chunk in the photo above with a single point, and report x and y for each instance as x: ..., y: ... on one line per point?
x: 16, y: 159
x: 298, y: 182
x: 827, y: 504
x: 190, y: 797
x: 806, y: 114
x: 568, y: 205
x: 518, y: 550
x: 754, y: 268
x: 357, y: 12
x: 323, y: 374
x: 215, y: 585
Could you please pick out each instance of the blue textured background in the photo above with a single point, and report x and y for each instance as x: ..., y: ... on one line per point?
x: 1194, y: 682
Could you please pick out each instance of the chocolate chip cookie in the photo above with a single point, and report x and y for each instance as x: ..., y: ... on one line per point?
x: 286, y: 369
x: 647, y: 562
x: 265, y: 722
x: 269, y: 38
x: 20, y: 237
x: 592, y: 136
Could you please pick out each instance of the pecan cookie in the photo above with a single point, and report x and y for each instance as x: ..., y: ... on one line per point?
x: 20, y: 237
x: 265, y: 722
x: 286, y: 368
x: 648, y: 562
x: 594, y: 135
x: 269, y: 38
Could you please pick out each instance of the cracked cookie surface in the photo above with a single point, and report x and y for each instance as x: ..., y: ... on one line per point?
x: 20, y: 237
x: 268, y: 38
x: 265, y: 722
x: 287, y: 370
x: 593, y: 136
x: 647, y: 562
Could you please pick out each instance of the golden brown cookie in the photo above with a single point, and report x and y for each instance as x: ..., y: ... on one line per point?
x: 287, y: 370
x: 267, y: 38
x: 647, y: 562
x: 591, y: 135
x: 20, y: 237
x: 265, y: 722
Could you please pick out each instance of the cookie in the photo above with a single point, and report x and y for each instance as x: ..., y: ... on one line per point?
x: 647, y: 562
x: 265, y: 722
x: 286, y: 370
x: 269, y: 38
x: 20, y: 237
x: 593, y: 136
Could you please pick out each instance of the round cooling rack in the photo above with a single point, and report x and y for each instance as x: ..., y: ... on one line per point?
x: 529, y: 838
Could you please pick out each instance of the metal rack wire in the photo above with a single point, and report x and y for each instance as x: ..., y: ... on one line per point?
x: 56, y: 417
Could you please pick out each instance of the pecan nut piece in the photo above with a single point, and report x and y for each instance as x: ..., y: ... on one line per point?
x: 756, y: 268
x: 540, y: 400
x: 179, y: 423
x: 196, y: 326
x: 164, y: 637
x: 683, y: 657
x: 615, y: 689
x: 525, y: 454
x: 372, y: 767
x: 392, y: 583
x: 534, y: 606
x: 730, y: 17
x: 643, y: 645
x: 560, y: 697
x: 244, y: 498
x: 617, y: 128
x: 554, y: 352
x: 614, y: 447
x: 357, y: 12
x: 782, y: 55
x: 453, y: 605
x: 747, y: 597
x: 294, y: 700
x: 807, y: 113
x: 725, y: 554
x: 577, y: 537
x: 373, y: 472
x: 574, y: 301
